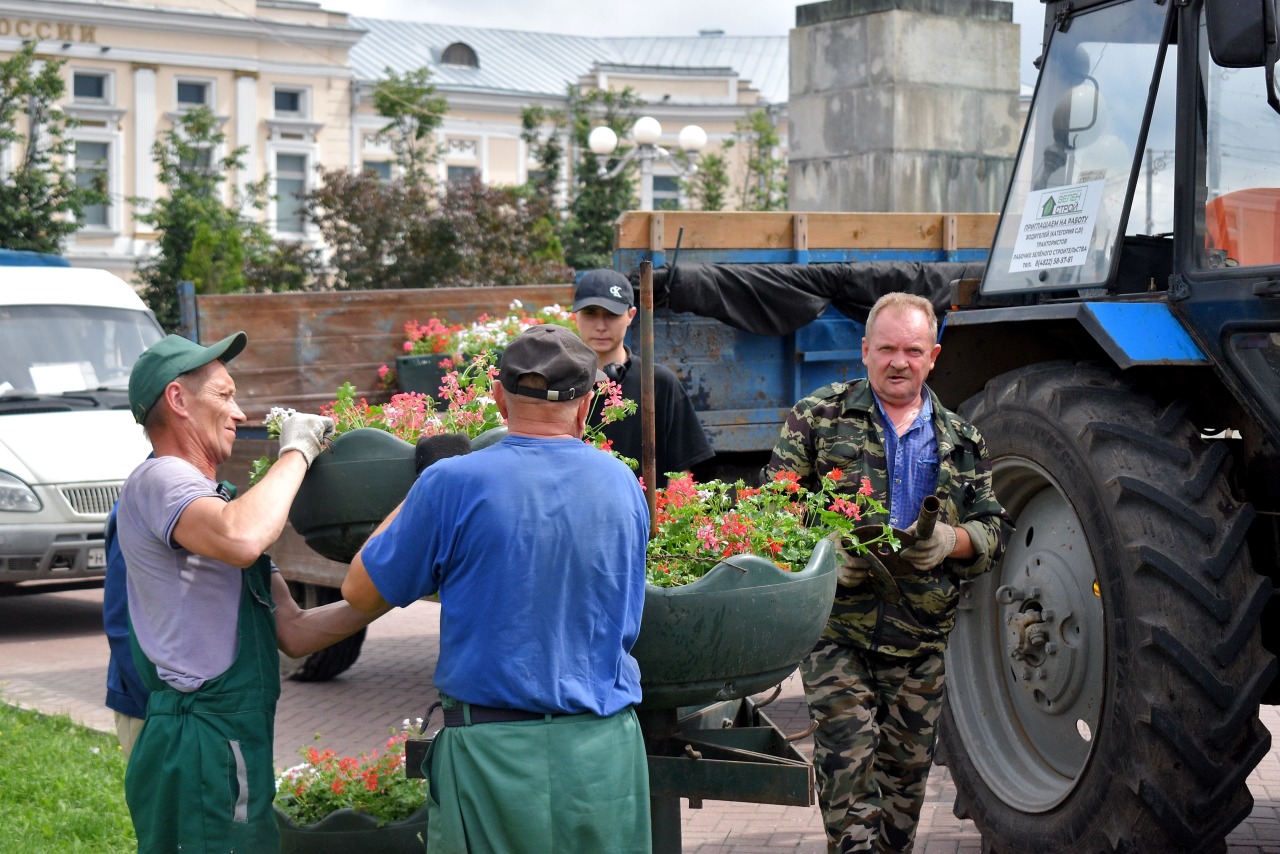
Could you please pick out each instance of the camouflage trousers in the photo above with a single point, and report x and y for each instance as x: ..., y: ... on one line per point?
x: 877, y: 718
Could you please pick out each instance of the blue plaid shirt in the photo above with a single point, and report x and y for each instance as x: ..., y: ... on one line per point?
x: 912, y: 460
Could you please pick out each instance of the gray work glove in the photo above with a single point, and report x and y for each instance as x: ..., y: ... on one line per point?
x: 851, y: 568
x: 931, y: 551
x: 306, y: 434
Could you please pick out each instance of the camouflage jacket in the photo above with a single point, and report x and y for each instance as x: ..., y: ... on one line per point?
x: 838, y: 426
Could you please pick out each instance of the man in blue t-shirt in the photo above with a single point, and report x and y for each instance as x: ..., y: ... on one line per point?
x: 536, y: 546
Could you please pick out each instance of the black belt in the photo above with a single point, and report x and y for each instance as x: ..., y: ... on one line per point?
x: 489, y: 715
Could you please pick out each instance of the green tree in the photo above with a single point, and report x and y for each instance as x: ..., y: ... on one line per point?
x: 547, y: 153
x: 764, y: 182
x: 40, y: 201
x: 413, y: 110
x: 201, y: 237
x: 594, y: 202
x: 709, y: 186
x: 380, y: 233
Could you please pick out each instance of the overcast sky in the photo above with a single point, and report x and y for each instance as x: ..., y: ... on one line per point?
x: 645, y: 18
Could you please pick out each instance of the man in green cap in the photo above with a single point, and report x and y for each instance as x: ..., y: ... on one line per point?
x: 208, y: 609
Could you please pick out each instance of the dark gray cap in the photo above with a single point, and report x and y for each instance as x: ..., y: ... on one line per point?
x: 557, y: 355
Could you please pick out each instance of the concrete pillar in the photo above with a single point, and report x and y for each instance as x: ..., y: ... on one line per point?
x: 902, y: 105
x: 247, y: 133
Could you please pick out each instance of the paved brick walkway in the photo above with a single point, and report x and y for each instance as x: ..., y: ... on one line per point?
x: 53, y: 658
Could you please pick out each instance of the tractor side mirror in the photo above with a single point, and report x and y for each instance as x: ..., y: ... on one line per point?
x: 1245, y: 34
x: 1238, y: 31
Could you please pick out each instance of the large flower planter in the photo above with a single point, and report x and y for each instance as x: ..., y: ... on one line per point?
x: 350, y: 489
x: 346, y: 831
x: 738, y: 630
x: 353, y: 485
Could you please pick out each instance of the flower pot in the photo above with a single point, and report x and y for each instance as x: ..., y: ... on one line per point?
x: 421, y: 373
x: 738, y: 630
x: 346, y: 830
x: 354, y: 484
x: 351, y: 487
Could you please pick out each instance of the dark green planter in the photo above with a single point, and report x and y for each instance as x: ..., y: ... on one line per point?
x: 350, y: 489
x: 421, y: 374
x: 347, y: 831
x: 354, y: 485
x: 739, y: 630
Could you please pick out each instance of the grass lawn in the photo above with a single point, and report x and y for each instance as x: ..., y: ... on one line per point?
x: 61, y: 787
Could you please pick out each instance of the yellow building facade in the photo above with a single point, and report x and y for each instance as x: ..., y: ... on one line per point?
x: 291, y: 83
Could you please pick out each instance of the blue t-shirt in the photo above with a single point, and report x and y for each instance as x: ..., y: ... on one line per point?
x: 537, y: 548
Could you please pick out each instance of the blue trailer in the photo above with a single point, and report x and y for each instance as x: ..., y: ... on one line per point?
x: 743, y: 383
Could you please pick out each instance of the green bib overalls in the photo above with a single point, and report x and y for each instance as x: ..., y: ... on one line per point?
x: 201, y: 776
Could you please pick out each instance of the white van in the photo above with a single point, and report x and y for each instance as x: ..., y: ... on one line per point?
x: 68, y: 340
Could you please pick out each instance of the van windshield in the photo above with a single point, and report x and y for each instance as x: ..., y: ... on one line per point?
x: 52, y: 349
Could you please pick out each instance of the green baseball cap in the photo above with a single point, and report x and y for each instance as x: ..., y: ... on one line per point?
x: 170, y: 358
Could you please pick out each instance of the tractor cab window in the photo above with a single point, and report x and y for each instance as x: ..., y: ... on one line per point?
x: 1068, y: 207
x: 1240, y: 138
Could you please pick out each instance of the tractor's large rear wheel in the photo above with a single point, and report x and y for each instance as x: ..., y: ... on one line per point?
x: 1103, y: 682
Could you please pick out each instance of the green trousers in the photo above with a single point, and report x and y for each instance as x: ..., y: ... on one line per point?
x: 574, y: 783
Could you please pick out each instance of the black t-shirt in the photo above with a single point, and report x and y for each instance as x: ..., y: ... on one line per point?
x: 678, y: 435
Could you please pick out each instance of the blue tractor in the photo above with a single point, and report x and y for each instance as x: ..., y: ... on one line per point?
x: 1121, y: 356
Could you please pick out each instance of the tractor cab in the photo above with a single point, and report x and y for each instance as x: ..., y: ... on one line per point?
x: 1127, y: 151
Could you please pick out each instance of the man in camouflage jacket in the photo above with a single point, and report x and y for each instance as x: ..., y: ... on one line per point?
x: 874, y: 681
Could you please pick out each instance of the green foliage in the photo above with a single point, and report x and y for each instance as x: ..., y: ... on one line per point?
x: 699, y: 525
x: 594, y: 202
x: 549, y: 152
x: 374, y: 783
x: 597, y: 202
x: 63, y: 787
x: 282, y: 266
x: 379, y: 233
x: 414, y: 111
x: 396, y: 234
x: 201, y: 238
x: 39, y: 199
x: 764, y: 183
x: 709, y: 186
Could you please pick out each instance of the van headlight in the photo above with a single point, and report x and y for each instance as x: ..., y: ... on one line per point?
x: 16, y: 496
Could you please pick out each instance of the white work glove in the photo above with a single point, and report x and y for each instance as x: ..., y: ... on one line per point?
x: 305, y: 434
x: 928, y: 553
x: 851, y: 568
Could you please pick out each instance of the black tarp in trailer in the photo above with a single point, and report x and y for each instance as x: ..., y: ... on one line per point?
x: 777, y: 299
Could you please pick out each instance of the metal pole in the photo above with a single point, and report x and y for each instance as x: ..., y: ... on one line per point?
x: 648, y: 445
x: 646, y: 178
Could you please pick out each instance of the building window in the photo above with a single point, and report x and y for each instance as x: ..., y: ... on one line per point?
x: 92, y: 172
x: 200, y: 159
x: 462, y: 173
x: 291, y: 181
x: 192, y: 93
x: 290, y: 103
x: 666, y: 193
x: 381, y: 168
x: 460, y: 53
x: 89, y: 87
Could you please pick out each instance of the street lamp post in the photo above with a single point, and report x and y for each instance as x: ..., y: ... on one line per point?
x: 646, y: 132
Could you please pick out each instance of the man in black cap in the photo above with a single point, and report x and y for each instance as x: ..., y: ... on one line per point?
x: 536, y: 546
x: 604, y: 303
x: 207, y: 609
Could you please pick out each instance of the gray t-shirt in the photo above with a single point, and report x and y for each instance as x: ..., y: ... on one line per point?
x: 184, y: 607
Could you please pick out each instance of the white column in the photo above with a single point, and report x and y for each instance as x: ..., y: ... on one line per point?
x: 145, y: 111
x: 247, y: 132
